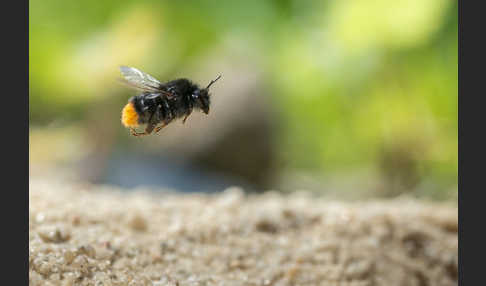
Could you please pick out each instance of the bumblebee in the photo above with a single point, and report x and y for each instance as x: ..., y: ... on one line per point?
x: 160, y: 103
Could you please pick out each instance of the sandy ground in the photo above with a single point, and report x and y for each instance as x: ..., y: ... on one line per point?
x: 101, y: 236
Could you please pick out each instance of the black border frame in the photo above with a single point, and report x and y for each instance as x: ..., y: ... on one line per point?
x: 470, y: 233
x: 15, y: 141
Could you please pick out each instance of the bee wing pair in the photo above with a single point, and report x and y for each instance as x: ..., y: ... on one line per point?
x: 142, y: 81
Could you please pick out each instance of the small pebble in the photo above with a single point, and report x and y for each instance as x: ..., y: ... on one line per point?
x: 138, y: 223
x: 54, y: 234
x: 87, y: 250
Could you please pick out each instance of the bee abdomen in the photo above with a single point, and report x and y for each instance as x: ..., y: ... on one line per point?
x: 129, y: 116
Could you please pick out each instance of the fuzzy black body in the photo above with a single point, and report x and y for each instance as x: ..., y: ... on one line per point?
x: 160, y: 103
x: 177, y: 99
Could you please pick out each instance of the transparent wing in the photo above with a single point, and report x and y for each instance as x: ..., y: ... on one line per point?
x: 138, y: 79
x: 138, y: 86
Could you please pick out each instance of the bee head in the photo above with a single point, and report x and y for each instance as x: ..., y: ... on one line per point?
x: 201, y: 96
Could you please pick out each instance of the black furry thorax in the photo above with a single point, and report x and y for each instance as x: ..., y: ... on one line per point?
x: 154, y: 108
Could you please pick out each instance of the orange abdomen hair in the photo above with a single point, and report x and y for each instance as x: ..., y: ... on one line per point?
x: 129, y: 116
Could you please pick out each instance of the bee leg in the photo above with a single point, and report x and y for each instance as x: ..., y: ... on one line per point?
x: 187, y: 115
x: 148, y: 130
x: 133, y: 132
x: 160, y: 127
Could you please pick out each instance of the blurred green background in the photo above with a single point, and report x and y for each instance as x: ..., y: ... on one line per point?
x: 348, y: 98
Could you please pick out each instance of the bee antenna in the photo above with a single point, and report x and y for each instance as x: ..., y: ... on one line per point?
x: 213, y: 81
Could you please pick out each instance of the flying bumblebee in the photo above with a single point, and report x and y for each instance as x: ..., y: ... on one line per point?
x: 160, y: 103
